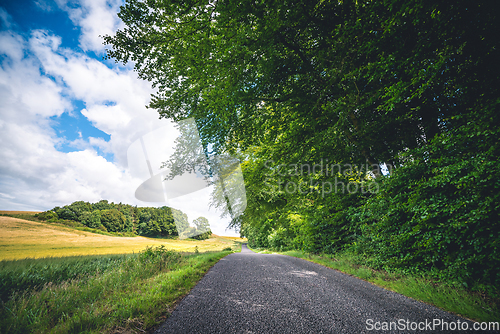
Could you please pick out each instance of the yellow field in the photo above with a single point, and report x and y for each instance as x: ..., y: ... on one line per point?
x: 23, y: 238
x: 238, y: 239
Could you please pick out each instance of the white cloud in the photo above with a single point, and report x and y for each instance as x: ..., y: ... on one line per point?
x: 44, y: 5
x: 101, y: 144
x: 39, y: 79
x: 202, y: 209
x: 113, y: 97
x: 22, y: 85
x: 93, y: 177
x: 11, y: 44
x: 34, y: 175
x: 95, y: 18
x: 5, y: 18
x: 107, y: 118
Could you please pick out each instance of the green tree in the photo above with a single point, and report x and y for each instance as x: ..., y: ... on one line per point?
x: 201, y: 224
x: 91, y: 219
x: 410, y: 83
x: 103, y: 205
x: 113, y: 220
x: 47, y: 215
x: 156, y: 221
x: 181, y: 220
x: 363, y: 81
x: 203, y: 230
x: 65, y: 213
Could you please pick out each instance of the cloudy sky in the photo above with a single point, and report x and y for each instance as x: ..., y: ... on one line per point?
x: 68, y: 117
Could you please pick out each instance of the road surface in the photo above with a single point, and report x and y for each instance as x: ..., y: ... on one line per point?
x: 266, y: 293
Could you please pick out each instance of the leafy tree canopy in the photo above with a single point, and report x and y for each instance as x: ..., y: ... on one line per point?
x: 112, y: 217
x: 359, y: 81
x: 410, y: 83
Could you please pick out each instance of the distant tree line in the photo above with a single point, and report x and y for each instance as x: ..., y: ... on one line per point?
x: 146, y: 221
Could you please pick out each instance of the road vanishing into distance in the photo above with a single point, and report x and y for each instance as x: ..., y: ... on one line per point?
x: 267, y: 293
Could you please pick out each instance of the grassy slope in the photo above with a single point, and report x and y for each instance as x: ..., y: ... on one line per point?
x: 94, y: 294
x: 132, y: 297
x: 467, y: 304
x: 22, y: 238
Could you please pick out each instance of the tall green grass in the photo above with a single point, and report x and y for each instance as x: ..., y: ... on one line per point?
x: 100, y: 294
x: 33, y: 274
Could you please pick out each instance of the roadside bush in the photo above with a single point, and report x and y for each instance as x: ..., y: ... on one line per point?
x: 257, y: 235
x: 440, y: 211
x: 279, y: 239
x: 159, y: 257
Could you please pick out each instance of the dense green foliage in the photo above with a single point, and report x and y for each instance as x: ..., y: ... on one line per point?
x: 203, y: 228
x: 438, y: 213
x: 441, y: 209
x: 124, y: 218
x: 351, y: 87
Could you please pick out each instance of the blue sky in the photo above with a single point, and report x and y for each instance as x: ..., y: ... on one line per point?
x: 27, y: 16
x: 68, y: 117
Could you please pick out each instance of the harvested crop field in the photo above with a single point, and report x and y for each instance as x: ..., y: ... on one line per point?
x: 21, y: 238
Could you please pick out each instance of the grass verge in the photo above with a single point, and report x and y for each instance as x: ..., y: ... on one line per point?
x: 131, y: 295
x: 472, y: 305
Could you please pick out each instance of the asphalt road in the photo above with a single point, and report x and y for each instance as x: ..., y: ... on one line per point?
x: 263, y: 293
